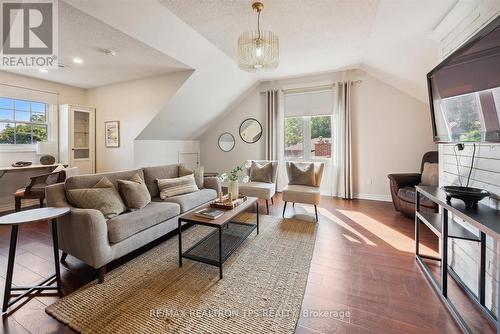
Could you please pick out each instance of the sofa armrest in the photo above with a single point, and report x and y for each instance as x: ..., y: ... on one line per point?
x: 212, y: 183
x: 83, y: 233
x: 404, y: 180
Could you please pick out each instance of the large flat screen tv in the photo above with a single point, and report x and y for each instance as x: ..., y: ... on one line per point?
x: 464, y: 91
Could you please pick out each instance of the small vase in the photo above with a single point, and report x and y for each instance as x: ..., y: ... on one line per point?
x: 233, y: 189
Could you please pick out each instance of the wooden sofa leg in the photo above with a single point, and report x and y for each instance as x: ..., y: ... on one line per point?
x: 41, y: 202
x: 18, y: 204
x: 63, y: 257
x: 101, y: 272
x: 284, y: 208
x: 316, y: 212
x: 267, y: 206
x: 272, y: 200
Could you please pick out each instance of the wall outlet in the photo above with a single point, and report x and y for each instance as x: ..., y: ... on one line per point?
x: 369, y: 181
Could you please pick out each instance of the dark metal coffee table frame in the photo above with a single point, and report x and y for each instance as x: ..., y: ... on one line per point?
x: 9, y: 298
x: 219, y: 229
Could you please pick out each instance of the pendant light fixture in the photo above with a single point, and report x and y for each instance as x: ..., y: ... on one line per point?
x: 258, y: 49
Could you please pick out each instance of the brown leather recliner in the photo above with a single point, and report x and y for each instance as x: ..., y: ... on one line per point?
x: 403, y: 189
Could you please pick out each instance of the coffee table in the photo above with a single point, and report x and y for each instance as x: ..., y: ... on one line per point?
x: 215, y: 248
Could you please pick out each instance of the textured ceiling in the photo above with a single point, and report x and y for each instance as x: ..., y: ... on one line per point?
x: 83, y: 36
x: 315, y: 35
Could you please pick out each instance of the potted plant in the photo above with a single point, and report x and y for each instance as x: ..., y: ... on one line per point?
x: 233, y: 177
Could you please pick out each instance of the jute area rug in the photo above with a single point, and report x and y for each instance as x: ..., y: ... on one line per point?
x: 261, y: 292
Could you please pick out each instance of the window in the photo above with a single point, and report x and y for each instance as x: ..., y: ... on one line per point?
x: 308, y: 137
x: 22, y: 122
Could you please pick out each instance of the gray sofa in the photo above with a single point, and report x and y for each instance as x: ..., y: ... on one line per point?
x: 88, y: 236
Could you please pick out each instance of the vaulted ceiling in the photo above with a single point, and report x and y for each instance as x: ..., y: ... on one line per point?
x: 390, y: 39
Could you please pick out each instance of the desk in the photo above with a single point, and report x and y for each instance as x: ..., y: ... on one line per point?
x: 484, y: 218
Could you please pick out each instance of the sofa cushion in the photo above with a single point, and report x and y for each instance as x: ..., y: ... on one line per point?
x: 260, y: 190
x: 194, y: 199
x: 134, y: 192
x: 407, y: 194
x: 261, y: 173
x: 128, y: 224
x: 88, y: 180
x: 102, y: 196
x: 301, y: 194
x: 177, y: 186
x: 151, y: 174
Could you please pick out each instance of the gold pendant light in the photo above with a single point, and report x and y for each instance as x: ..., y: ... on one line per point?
x: 258, y: 49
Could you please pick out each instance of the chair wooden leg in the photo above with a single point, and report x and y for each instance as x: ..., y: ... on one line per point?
x: 284, y: 208
x: 63, y: 257
x: 41, y: 202
x: 18, y: 204
x: 101, y: 272
x: 272, y: 200
x: 316, y: 212
x: 293, y: 205
x: 267, y: 206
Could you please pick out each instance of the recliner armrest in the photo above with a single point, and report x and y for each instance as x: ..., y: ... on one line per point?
x: 405, y: 180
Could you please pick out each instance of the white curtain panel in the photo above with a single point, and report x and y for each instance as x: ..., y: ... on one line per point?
x: 275, y: 133
x: 342, y: 161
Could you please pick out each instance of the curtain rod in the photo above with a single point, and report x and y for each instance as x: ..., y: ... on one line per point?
x: 313, y: 88
x: 35, y: 90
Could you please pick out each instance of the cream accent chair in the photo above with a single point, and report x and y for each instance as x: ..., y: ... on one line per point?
x: 261, y: 190
x: 304, y: 194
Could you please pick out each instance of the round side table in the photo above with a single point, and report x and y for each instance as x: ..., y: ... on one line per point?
x: 22, y: 218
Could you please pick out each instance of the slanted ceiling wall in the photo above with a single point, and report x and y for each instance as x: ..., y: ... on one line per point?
x: 391, y: 131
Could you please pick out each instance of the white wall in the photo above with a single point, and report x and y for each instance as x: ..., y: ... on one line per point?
x: 134, y: 104
x: 391, y: 131
x: 215, y: 160
x: 162, y: 152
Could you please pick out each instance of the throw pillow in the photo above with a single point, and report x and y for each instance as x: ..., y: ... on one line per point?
x: 302, y: 175
x: 134, y: 193
x: 259, y: 173
x: 102, y: 196
x: 197, y: 172
x: 54, y: 175
x: 176, y: 186
x: 430, y: 175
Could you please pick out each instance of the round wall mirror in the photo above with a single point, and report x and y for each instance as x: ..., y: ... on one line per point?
x: 250, y: 130
x: 226, y: 142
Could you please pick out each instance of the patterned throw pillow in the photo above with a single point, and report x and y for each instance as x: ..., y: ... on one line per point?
x: 176, y: 186
x: 102, y: 196
x: 259, y: 173
x: 302, y: 175
x: 134, y: 192
x: 198, y: 174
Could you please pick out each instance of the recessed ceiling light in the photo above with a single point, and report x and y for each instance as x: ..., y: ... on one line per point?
x: 43, y: 70
x: 109, y: 52
x: 78, y: 60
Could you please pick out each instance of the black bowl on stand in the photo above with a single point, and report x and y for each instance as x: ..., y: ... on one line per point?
x: 470, y: 196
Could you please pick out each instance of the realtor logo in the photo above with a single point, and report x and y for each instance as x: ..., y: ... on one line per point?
x: 29, y: 34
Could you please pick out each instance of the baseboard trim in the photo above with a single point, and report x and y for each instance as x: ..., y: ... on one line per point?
x: 374, y: 197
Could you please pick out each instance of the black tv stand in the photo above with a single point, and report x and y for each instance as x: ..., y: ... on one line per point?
x: 482, y: 217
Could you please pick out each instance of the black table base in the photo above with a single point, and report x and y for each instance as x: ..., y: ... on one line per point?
x: 9, y: 298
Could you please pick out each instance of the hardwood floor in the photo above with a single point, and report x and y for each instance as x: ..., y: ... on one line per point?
x: 363, y: 273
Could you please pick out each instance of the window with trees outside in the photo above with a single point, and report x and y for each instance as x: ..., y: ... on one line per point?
x: 308, y: 137
x: 22, y: 122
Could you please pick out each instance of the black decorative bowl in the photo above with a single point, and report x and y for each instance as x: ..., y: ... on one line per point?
x: 470, y: 196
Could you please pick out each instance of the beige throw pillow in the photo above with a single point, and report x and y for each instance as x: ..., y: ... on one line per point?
x: 302, y: 175
x: 176, y: 186
x: 102, y: 196
x: 134, y: 192
x: 197, y: 172
x: 259, y: 173
x: 430, y: 175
